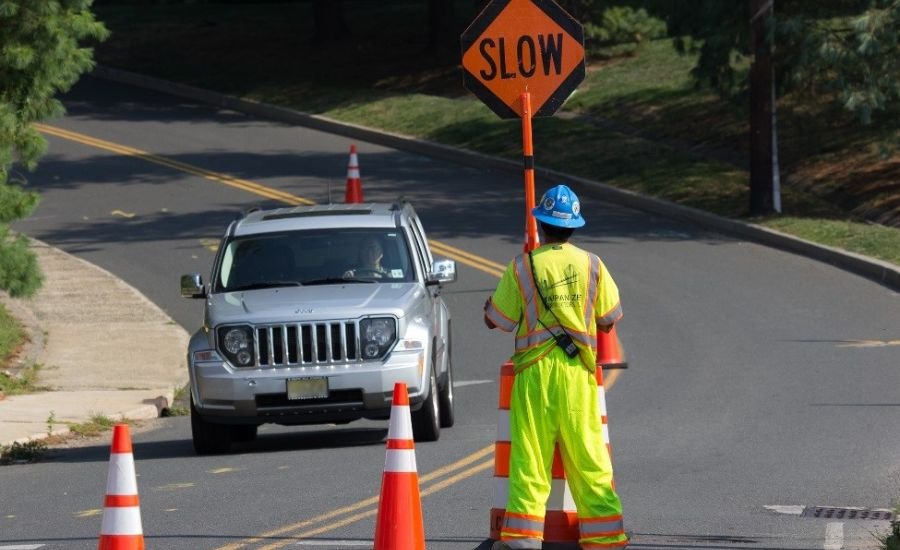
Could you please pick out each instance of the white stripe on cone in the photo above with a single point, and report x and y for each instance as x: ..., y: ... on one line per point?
x: 560, y: 496
x: 503, y: 425
x: 121, y: 479
x: 601, y: 400
x: 401, y: 423
x: 400, y: 460
x: 121, y: 521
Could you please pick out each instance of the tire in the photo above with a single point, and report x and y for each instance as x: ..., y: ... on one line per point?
x: 209, y: 438
x: 426, y: 420
x: 446, y: 398
x: 244, y: 433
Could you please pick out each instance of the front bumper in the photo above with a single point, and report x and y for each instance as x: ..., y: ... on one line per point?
x: 225, y: 394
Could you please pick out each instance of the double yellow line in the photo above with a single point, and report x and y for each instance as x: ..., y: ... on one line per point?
x: 237, y: 183
x: 366, y: 508
x: 460, y: 256
x: 463, y: 257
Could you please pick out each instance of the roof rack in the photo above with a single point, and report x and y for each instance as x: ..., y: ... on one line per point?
x: 247, y: 211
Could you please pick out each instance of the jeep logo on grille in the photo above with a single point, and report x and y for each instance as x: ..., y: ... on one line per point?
x: 303, y: 311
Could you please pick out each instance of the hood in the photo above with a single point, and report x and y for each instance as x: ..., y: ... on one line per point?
x: 311, y: 303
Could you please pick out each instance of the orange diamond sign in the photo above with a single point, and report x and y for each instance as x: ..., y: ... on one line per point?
x: 517, y: 46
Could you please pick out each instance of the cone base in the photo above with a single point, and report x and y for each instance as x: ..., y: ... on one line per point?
x: 399, y: 523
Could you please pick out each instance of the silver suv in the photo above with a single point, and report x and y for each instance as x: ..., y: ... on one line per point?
x: 312, y: 314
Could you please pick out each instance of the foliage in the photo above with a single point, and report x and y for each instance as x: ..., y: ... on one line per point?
x: 856, y: 57
x: 25, y: 381
x: 11, y: 335
x: 20, y: 274
x: 621, y: 29
x: 40, y: 56
x: 845, y: 49
x: 20, y: 453
x: 97, y: 425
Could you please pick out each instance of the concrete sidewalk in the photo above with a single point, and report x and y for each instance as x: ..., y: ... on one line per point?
x: 103, y: 349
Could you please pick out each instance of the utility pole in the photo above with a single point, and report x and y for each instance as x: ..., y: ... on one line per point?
x: 765, y: 195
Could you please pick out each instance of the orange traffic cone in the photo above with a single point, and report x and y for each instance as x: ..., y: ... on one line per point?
x: 399, y: 524
x: 121, y: 527
x: 609, y: 350
x: 354, y: 185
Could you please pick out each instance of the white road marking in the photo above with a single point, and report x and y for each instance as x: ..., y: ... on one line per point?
x: 869, y: 343
x: 834, y: 536
x: 794, y: 510
x: 461, y: 383
x: 23, y: 547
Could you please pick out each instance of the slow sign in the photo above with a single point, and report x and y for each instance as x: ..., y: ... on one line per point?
x: 517, y: 46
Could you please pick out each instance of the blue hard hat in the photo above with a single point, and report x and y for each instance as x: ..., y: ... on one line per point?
x: 560, y: 207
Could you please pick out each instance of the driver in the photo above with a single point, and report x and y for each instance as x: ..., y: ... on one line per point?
x: 369, y: 258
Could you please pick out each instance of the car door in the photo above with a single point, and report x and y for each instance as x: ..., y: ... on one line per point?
x: 439, y: 313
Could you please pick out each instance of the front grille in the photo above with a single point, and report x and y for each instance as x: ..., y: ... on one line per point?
x: 307, y: 343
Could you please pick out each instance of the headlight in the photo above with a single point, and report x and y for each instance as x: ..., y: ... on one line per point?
x: 236, y: 343
x: 377, y: 335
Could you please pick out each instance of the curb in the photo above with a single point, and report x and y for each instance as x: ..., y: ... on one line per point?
x: 147, y: 411
x: 77, y: 397
x: 879, y: 271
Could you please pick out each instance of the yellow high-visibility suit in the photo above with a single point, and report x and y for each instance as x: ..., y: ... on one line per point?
x: 554, y: 397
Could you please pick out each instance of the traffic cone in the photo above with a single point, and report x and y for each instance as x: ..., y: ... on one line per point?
x: 354, y: 185
x: 399, y: 524
x: 609, y: 350
x: 121, y: 527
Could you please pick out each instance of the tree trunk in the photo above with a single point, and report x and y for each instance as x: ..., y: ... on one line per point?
x: 762, y: 107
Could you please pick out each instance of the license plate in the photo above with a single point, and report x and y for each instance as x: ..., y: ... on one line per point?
x: 307, y: 388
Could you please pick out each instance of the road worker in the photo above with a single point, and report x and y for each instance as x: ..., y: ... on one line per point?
x: 555, y: 299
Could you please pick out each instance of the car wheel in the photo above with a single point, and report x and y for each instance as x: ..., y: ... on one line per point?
x: 426, y: 420
x: 209, y: 438
x: 244, y: 433
x: 446, y: 398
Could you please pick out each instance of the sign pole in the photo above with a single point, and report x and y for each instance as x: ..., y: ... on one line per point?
x: 531, y: 235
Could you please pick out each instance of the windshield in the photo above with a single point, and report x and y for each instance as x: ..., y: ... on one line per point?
x: 314, y: 257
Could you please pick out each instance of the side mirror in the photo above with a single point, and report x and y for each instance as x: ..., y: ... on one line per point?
x: 442, y: 271
x: 192, y: 286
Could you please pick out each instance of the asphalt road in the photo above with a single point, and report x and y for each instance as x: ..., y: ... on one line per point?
x: 757, y: 378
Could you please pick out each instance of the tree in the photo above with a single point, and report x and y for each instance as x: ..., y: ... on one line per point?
x: 845, y: 49
x: 40, y: 56
x: 851, y: 51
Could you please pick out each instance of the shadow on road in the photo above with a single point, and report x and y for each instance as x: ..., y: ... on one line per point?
x: 264, y: 443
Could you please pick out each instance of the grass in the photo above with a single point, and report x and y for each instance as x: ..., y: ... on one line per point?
x: 36, y: 450
x: 21, y: 453
x: 24, y: 382
x: 12, y: 335
x: 179, y: 405
x: 636, y: 122
x: 97, y: 425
